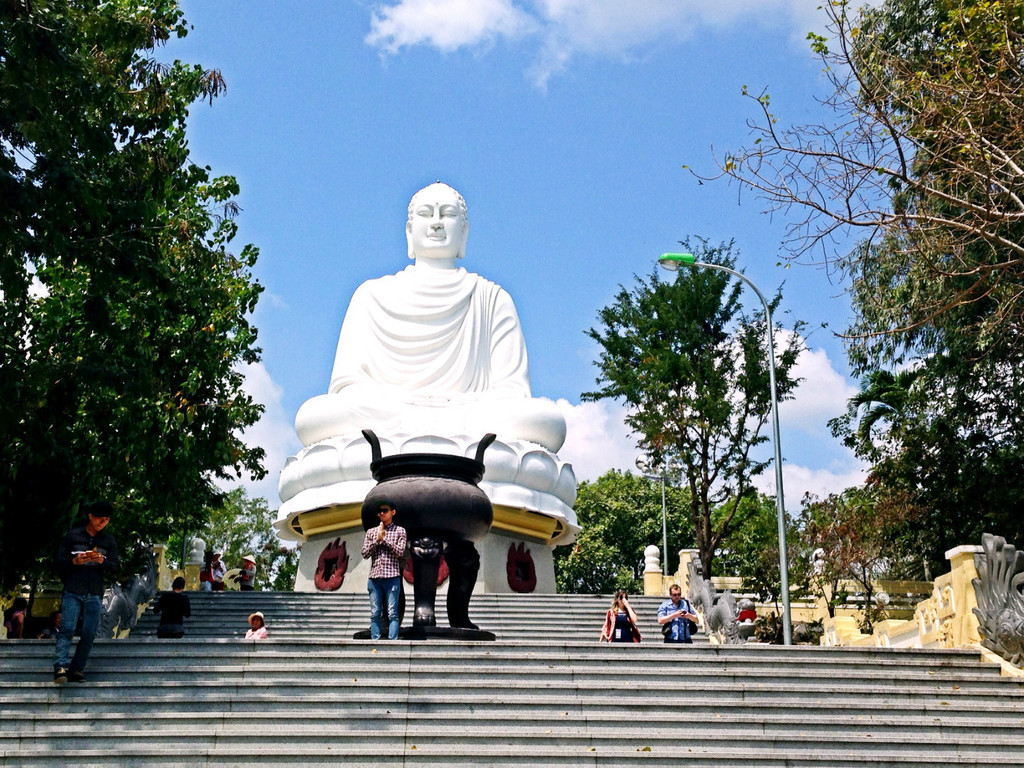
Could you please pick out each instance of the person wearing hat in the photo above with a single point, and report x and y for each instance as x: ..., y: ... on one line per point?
x: 384, y: 545
x: 217, y: 571
x: 257, y: 627
x: 86, y: 556
x: 246, y: 578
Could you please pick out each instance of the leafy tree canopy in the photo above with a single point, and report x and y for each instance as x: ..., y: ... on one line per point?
x: 620, y: 515
x: 855, y: 535
x: 123, y: 316
x: 753, y: 550
x: 925, y: 157
x: 946, y: 438
x: 243, y: 526
x: 692, y: 367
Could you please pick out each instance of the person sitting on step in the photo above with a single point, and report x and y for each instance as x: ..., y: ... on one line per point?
x: 675, y: 616
x: 15, y: 619
x: 50, y: 631
x: 257, y: 627
x: 246, y: 577
x: 173, y: 607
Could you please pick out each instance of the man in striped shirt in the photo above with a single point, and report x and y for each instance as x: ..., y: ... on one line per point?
x: 385, y: 547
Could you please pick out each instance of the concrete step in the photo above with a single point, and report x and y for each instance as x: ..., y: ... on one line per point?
x: 739, y: 724
x: 631, y: 708
x: 436, y: 707
x: 201, y: 650
x: 543, y: 697
x: 606, y: 752
x: 212, y: 692
x: 491, y: 675
x: 511, y: 736
x: 225, y: 614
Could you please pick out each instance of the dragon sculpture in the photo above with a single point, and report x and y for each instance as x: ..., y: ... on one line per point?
x: 1000, y: 593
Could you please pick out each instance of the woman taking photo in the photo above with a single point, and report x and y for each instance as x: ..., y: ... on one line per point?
x: 620, y: 621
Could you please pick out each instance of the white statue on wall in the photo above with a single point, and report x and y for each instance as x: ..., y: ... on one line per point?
x: 196, y: 551
x: 431, y: 358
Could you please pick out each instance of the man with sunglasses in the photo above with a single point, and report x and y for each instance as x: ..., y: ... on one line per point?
x: 385, y: 547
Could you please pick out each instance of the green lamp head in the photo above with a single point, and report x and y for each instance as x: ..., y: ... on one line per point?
x: 672, y: 261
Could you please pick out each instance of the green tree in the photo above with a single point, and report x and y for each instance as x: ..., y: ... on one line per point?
x: 925, y: 156
x: 753, y: 550
x: 690, y: 364
x: 852, y: 536
x: 245, y: 526
x: 620, y: 516
x: 884, y: 397
x: 952, y: 450
x: 124, y: 317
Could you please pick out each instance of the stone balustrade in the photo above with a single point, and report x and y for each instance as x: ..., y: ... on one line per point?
x: 950, y: 617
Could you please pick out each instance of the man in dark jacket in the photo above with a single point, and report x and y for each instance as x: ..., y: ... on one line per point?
x: 173, y: 607
x: 86, y: 555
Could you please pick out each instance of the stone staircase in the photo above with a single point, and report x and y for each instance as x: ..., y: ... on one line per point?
x: 544, y: 694
x: 339, y: 616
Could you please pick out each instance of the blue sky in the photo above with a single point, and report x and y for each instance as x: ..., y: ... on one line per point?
x: 564, y: 123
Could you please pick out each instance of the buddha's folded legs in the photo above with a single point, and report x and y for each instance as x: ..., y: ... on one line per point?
x: 512, y: 418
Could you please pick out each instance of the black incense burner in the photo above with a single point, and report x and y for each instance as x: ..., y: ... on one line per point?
x: 444, y: 511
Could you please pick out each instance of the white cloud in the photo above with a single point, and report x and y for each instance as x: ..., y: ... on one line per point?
x: 37, y: 289
x: 821, y: 395
x: 274, y: 432
x: 563, y: 29
x: 798, y: 480
x: 597, y: 438
x: 611, y: 26
x: 446, y: 24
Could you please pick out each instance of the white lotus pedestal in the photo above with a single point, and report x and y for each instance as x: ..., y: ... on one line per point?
x: 530, y: 489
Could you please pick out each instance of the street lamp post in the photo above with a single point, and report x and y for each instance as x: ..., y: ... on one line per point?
x: 672, y: 262
x: 641, y: 465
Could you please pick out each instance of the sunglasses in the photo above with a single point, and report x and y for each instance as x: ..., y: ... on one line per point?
x: 384, y: 510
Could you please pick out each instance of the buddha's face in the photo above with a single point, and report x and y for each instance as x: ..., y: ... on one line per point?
x: 437, y: 226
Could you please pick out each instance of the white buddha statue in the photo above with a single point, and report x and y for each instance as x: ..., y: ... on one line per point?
x: 431, y: 359
x: 432, y: 350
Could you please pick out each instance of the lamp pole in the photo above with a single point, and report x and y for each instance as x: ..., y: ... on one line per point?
x: 672, y: 262
x: 641, y: 465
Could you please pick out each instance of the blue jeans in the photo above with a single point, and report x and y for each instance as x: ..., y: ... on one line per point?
x: 89, y: 607
x: 381, y: 590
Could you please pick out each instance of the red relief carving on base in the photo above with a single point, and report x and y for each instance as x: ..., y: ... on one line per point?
x: 331, y: 567
x: 521, y: 572
x: 442, y: 571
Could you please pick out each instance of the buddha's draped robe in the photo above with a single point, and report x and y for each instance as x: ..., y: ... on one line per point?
x: 431, y: 352
x: 432, y: 332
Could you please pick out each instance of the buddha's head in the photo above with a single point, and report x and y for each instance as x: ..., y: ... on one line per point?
x: 438, y: 224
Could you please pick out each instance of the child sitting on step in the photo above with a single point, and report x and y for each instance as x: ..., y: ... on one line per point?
x: 257, y: 627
